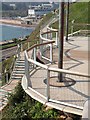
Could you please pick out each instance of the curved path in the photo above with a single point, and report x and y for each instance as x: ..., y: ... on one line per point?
x: 69, y: 97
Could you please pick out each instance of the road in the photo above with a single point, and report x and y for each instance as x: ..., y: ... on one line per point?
x: 6, y: 53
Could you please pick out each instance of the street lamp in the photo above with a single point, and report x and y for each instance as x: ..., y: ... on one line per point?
x: 61, y: 38
x: 67, y: 20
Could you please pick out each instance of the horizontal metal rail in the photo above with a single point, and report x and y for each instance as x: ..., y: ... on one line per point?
x: 49, y: 69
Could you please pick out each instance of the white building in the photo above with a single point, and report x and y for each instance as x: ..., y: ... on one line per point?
x: 31, y: 13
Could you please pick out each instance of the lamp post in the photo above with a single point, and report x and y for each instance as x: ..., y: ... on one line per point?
x: 61, y: 37
x: 67, y: 20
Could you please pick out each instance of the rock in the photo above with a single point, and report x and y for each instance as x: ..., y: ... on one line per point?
x: 68, y: 118
x: 48, y: 108
x: 62, y: 117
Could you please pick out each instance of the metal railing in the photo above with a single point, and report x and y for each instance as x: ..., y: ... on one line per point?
x: 51, y: 73
x: 61, y: 93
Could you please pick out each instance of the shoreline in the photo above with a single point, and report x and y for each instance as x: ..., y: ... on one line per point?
x: 16, y: 23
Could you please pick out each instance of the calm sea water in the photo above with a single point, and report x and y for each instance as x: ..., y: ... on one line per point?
x: 9, y: 32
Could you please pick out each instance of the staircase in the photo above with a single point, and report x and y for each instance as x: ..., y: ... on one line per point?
x: 16, y: 76
x: 19, y: 70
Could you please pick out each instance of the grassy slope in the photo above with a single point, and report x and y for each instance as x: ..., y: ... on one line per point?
x: 34, y: 37
x: 79, y: 13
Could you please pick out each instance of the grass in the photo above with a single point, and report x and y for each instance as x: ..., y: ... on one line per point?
x: 34, y: 36
x: 23, y: 107
x: 79, y: 13
x: 8, y: 65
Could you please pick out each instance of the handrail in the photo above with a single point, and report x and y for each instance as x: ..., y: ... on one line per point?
x: 68, y: 72
x: 54, y: 69
x: 38, y: 64
x: 52, y: 29
x: 37, y: 45
x: 45, y: 39
x: 47, y: 68
x: 79, y: 24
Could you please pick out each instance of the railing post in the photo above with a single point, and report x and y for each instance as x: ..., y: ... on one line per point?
x: 21, y: 47
x: 72, y: 27
x: 48, y: 85
x: 18, y: 52
x: 41, y: 47
x: 47, y: 34
x: 28, y: 45
x: 51, y: 52
x: 56, y: 41
x: 34, y: 55
x: 85, y: 114
x: 27, y: 71
x: 51, y: 35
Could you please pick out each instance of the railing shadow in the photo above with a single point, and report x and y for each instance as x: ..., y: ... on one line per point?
x: 71, y: 58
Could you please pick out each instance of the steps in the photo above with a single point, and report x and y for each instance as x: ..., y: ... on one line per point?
x: 19, y: 70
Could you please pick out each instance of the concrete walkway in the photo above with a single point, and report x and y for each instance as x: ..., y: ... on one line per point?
x: 76, y: 59
x: 76, y: 91
x: 8, y: 88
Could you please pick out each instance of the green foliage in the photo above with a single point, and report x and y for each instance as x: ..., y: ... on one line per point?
x: 17, y: 97
x: 34, y: 36
x: 79, y: 13
x: 14, y: 40
x: 6, y: 65
x: 7, y: 46
x: 23, y: 107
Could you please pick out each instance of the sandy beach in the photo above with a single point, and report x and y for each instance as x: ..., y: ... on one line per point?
x: 16, y: 23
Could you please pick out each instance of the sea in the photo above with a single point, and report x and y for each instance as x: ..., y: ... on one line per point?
x: 10, y: 32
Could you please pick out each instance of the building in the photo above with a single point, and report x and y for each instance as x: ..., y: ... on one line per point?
x: 31, y: 13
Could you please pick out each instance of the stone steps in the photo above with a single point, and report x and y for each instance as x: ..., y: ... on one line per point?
x: 19, y: 70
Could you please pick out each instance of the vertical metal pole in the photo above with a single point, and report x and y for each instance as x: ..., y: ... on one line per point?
x: 27, y: 70
x: 48, y: 86
x: 61, y: 37
x: 41, y: 47
x: 67, y: 20
x: 51, y: 35
x: 21, y: 47
x: 72, y: 28
x: 47, y: 34
x: 34, y: 54
x: 51, y: 52
x: 56, y: 39
x: 18, y: 51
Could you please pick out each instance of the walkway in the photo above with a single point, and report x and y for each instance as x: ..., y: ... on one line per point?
x: 74, y: 90
x: 16, y: 76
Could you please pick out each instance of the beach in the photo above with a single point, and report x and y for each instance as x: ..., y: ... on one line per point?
x: 17, y: 23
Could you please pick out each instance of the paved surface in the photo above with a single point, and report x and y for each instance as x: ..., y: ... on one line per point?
x: 8, y: 88
x: 8, y: 52
x: 75, y: 59
x: 76, y: 91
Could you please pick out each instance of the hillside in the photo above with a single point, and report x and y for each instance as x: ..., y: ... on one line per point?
x: 20, y: 105
x: 79, y: 13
